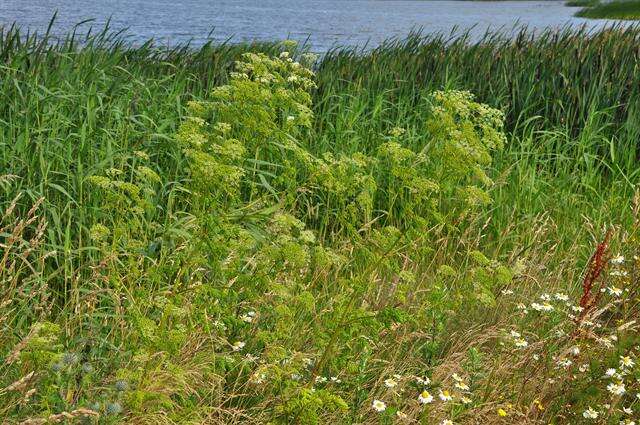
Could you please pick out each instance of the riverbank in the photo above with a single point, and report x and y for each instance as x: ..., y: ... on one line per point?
x: 625, y: 9
x: 430, y: 230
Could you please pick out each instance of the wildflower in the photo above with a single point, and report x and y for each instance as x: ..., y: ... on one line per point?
x: 577, y: 308
x: 618, y: 273
x: 423, y: 380
x: 397, y: 131
x: 457, y: 377
x: 501, y: 412
x: 425, y: 397
x: 514, y: 334
x: 446, y: 422
x: 248, y: 317
x: 296, y: 376
x: 627, y: 422
x: 250, y: 357
x: 465, y: 400
x: 506, y: 292
x: 538, y: 404
x: 258, y: 378
x: 121, y: 385
x: 610, y: 372
x: 462, y: 386
x: 521, y: 343
x: 335, y: 380
x: 565, y: 363
x: 614, y: 291
x: 616, y: 388
x: 114, y: 408
x: 379, y: 406
x: 561, y: 297
x: 606, y: 342
x: 545, y: 297
x: 238, y: 345
x: 627, y: 410
x: 625, y: 361
x: 390, y: 383
x: 542, y: 307
x: 445, y: 395
x: 583, y: 367
x: 575, y: 351
x: 617, y: 260
x: 70, y: 358
x: 590, y: 413
x: 321, y: 379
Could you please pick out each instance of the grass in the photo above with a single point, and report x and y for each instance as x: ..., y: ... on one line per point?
x: 621, y: 9
x: 351, y: 232
x: 582, y: 3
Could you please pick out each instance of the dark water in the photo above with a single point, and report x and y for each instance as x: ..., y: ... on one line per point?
x: 324, y: 22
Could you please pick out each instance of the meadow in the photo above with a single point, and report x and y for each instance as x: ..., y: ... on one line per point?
x: 434, y: 231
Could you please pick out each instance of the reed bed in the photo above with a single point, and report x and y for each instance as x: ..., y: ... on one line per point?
x: 248, y: 234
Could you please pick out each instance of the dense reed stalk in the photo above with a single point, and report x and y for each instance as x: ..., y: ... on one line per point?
x: 560, y: 78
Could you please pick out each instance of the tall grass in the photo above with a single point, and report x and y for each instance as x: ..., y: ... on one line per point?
x: 132, y: 279
x: 73, y: 106
x: 559, y: 77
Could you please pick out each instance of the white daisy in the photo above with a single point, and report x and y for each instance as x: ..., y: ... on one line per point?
x: 425, y: 397
x: 379, y: 406
x: 445, y: 395
x: 626, y: 361
x: 590, y: 413
x: 615, y: 291
x: 616, y: 388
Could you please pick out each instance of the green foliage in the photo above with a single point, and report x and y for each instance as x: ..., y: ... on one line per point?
x: 205, y: 236
x: 617, y: 9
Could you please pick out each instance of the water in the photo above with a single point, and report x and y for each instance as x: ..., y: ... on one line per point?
x: 325, y: 23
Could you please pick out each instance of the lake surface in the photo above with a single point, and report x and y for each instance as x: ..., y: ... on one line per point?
x: 325, y: 23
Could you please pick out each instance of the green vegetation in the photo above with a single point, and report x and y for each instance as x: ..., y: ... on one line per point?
x: 432, y: 230
x: 581, y: 3
x: 619, y: 9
